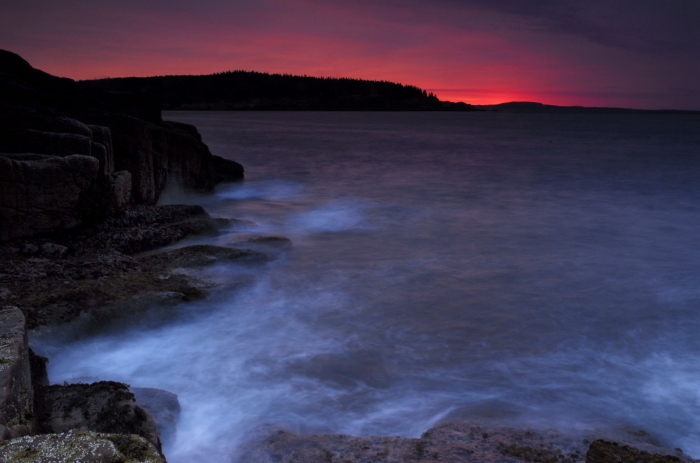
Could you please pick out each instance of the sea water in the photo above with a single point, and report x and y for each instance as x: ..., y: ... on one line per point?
x: 527, y: 269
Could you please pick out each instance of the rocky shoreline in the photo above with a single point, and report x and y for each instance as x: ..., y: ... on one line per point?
x: 83, y: 243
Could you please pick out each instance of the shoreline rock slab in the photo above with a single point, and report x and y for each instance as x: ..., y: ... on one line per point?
x: 456, y: 442
x: 90, y: 277
x: 199, y: 255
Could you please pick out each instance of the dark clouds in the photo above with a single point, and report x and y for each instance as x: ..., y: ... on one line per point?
x: 643, y: 25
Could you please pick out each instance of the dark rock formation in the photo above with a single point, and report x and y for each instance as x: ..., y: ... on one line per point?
x: 28, y: 406
x: 136, y: 153
x: 226, y: 170
x: 163, y: 407
x: 602, y: 451
x: 199, y: 256
x: 79, y: 447
x: 16, y: 393
x: 40, y: 193
x: 105, y: 407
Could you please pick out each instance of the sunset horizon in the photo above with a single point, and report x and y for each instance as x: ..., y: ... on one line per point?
x: 477, y: 52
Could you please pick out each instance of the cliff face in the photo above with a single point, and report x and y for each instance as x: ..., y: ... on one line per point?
x: 71, y: 155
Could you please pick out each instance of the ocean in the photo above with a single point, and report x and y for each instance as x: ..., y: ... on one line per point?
x: 529, y: 270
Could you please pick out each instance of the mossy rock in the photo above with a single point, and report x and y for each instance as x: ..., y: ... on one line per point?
x: 79, y: 447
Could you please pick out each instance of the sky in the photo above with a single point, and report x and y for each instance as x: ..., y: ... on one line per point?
x: 622, y: 53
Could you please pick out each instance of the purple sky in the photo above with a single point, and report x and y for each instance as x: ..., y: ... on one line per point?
x: 631, y: 53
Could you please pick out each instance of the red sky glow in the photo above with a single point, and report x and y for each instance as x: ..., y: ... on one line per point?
x: 596, y: 53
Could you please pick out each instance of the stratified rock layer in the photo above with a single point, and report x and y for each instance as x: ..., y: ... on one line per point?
x: 134, y: 153
x: 40, y: 193
x: 16, y: 394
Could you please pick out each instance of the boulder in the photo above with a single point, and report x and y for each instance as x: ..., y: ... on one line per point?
x: 105, y: 407
x: 225, y: 170
x: 164, y: 407
x: 119, y: 192
x: 16, y: 394
x: 79, y: 447
x: 40, y: 193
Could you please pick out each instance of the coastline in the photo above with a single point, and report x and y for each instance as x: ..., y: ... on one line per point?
x: 91, y: 263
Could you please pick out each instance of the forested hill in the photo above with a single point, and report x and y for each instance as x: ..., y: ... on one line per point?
x: 242, y: 90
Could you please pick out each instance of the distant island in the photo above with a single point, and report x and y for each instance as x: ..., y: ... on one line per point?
x: 243, y: 90
x: 532, y: 107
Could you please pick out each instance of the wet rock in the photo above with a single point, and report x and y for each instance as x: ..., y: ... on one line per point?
x: 144, y: 228
x: 263, y: 240
x: 16, y: 394
x: 282, y: 446
x: 454, y: 442
x: 105, y: 407
x: 93, y: 302
x: 601, y: 451
x: 95, y: 280
x: 239, y: 223
x: 41, y: 193
x: 79, y: 447
x: 198, y: 256
x: 164, y: 407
